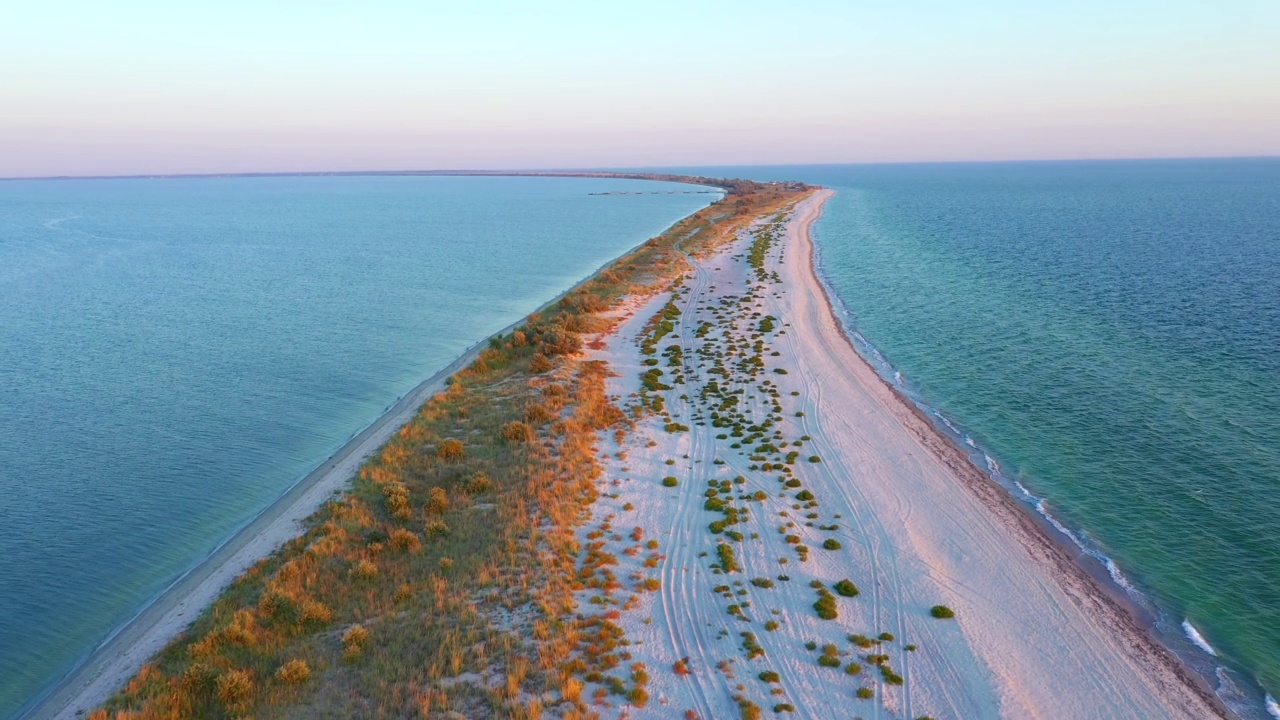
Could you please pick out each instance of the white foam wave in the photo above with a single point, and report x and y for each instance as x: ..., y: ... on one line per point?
x: 1025, y: 492
x: 969, y: 441
x: 1114, y: 571
x: 1043, y: 508
x: 992, y: 465
x: 1195, y: 637
x: 950, y: 426
x: 1273, y: 707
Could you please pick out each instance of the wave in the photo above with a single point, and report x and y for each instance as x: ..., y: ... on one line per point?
x: 1273, y: 707
x: 54, y: 223
x: 1197, y: 639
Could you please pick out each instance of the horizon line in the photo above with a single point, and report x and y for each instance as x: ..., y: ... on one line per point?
x: 669, y: 169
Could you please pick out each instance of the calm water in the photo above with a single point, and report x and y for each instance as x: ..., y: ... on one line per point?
x: 175, y: 353
x: 1109, y: 333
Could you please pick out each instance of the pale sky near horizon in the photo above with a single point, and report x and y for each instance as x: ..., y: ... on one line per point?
x: 134, y: 87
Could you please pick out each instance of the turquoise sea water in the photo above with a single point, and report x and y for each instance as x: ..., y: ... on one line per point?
x: 1107, y: 336
x: 175, y: 353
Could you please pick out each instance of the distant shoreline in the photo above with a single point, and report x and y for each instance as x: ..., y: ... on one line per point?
x: 129, y: 646
x: 636, y: 174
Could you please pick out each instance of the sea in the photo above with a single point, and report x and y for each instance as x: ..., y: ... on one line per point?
x: 1104, y: 339
x: 175, y: 353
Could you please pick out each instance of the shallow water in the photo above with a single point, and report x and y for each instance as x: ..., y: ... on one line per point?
x: 1108, y: 334
x: 175, y: 353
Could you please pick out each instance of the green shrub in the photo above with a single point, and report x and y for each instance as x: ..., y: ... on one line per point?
x: 846, y: 588
x: 826, y: 606
x: 831, y: 544
x: 728, y: 560
x: 670, y: 481
x: 865, y: 693
x: 770, y: 676
x: 942, y: 612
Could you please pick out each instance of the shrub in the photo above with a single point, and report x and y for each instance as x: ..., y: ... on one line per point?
x: 364, y: 570
x: 437, y: 501
x: 852, y: 668
x: 826, y: 606
x: 405, y: 540
x: 200, y: 679
x: 804, y: 495
x: 235, y: 687
x: 846, y: 588
x: 294, y: 671
x: 478, y: 483
x: 828, y: 661
x: 537, y: 413
x: 275, y: 604
x: 831, y: 544
x: 451, y: 450
x: 315, y: 614
x: 638, y: 696
x: 815, y: 459
x: 517, y: 432
x: 784, y: 707
x: 770, y: 676
x: 865, y: 693
x: 942, y: 612
x: 354, y: 640
x: 762, y: 582
x: 670, y: 481
x: 728, y: 560
x: 540, y: 364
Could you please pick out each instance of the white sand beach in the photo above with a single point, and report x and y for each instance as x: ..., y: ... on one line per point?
x: 914, y: 524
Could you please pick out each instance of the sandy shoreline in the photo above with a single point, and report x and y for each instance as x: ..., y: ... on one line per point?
x: 917, y: 525
x: 119, y: 657
x: 1128, y: 618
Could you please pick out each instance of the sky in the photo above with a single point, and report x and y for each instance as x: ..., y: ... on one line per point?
x: 132, y: 87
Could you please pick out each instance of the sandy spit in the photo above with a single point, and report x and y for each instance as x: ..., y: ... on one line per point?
x: 918, y: 525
